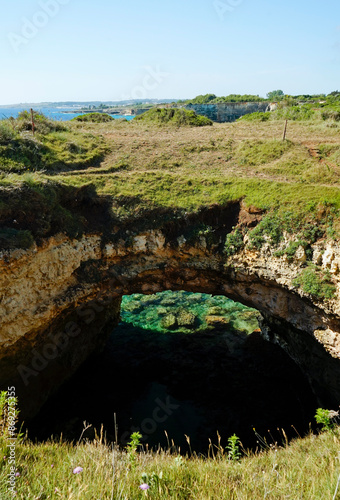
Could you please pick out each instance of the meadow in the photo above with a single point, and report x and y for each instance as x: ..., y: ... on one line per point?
x: 306, y: 468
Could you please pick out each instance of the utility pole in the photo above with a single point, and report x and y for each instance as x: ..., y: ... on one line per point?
x: 284, y: 132
x: 33, y: 126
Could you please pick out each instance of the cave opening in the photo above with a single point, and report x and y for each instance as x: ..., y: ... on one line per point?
x: 181, y: 367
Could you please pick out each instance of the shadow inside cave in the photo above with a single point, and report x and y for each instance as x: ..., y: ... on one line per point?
x: 198, y: 384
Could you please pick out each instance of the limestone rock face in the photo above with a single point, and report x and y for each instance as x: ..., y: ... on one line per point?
x: 59, y: 301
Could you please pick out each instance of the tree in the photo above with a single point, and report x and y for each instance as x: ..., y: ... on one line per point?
x: 275, y: 95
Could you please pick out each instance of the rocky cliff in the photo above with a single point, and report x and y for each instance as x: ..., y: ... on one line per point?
x: 228, y: 112
x: 61, y: 298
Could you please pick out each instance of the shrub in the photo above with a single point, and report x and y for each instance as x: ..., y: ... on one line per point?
x: 202, y: 99
x: 326, y: 418
x: 13, y: 238
x: 270, y: 227
x: 294, y: 113
x: 238, y: 98
x: 7, y: 132
x: 177, y: 117
x: 275, y: 223
x: 233, y: 242
x: 315, y: 282
x: 94, y: 118
x: 292, y: 247
x: 42, y: 124
x: 331, y: 114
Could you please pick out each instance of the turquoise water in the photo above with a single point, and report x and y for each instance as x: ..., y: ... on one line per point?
x: 184, y: 312
x: 53, y: 113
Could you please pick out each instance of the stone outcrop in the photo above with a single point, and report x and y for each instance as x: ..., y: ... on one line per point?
x: 59, y: 300
x: 229, y: 111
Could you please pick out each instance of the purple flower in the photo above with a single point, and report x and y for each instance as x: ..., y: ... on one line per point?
x: 144, y: 486
x: 17, y: 474
x: 78, y: 470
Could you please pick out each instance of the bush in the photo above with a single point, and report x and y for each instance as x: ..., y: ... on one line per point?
x: 270, y: 227
x: 294, y: 113
x: 94, y: 118
x: 326, y: 418
x: 7, y: 132
x: 42, y: 124
x: 202, y: 99
x: 291, y: 249
x: 53, y: 147
x: 331, y: 114
x: 177, y: 117
x: 13, y: 238
x: 212, y: 99
x: 233, y: 243
x: 315, y: 282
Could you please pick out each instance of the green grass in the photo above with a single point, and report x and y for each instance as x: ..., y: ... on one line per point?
x: 315, y: 282
x: 143, y: 166
x: 53, y: 147
x: 260, y: 152
x: 306, y: 468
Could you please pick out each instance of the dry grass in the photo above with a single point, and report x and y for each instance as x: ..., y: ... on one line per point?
x: 190, y: 167
x: 308, y: 468
x: 212, y: 150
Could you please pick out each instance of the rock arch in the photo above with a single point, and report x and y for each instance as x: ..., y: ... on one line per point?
x: 61, y: 299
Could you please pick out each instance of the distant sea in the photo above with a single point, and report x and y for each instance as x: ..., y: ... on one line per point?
x: 53, y: 113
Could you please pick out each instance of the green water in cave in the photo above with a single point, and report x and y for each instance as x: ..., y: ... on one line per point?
x: 184, y: 312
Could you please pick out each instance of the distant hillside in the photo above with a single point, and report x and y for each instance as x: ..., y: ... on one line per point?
x: 88, y: 103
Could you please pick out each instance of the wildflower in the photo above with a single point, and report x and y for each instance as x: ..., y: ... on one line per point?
x: 52, y: 466
x: 17, y: 474
x: 78, y: 470
x: 144, y: 486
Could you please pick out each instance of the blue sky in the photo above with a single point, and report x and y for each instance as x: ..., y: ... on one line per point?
x: 58, y: 50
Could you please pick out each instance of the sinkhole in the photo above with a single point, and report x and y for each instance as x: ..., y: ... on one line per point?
x: 182, y: 368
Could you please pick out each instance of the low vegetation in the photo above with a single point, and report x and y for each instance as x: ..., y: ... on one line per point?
x: 213, y: 99
x: 53, y: 147
x: 91, y: 470
x: 133, y: 170
x: 171, y: 116
x: 306, y: 468
x: 94, y: 118
x: 316, y: 282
